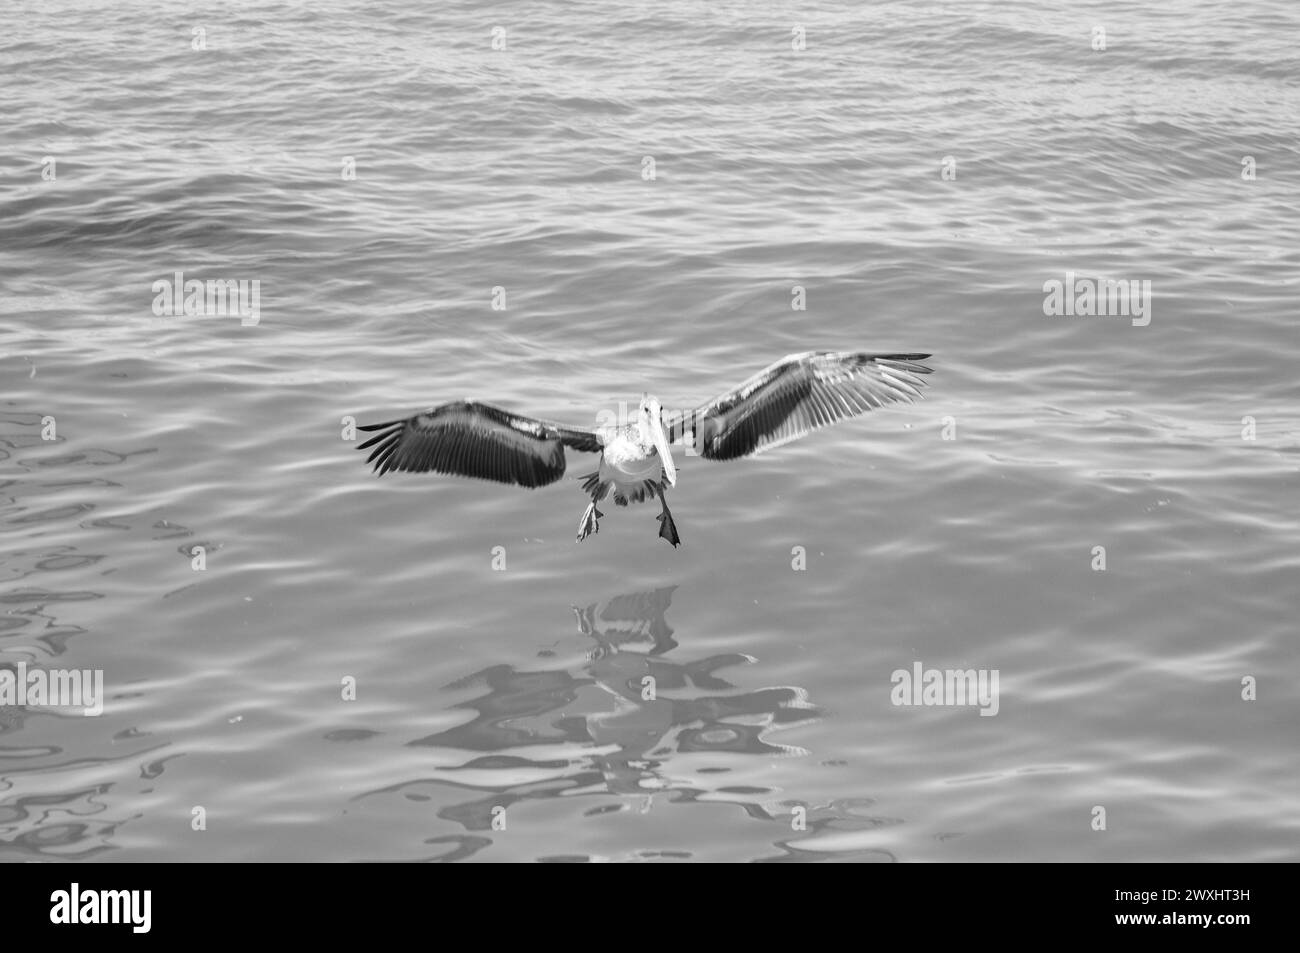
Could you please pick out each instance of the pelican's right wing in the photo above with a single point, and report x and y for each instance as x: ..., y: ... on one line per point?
x: 477, y: 440
x: 797, y: 395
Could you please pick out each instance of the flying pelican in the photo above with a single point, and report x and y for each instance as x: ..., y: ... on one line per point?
x: 782, y: 402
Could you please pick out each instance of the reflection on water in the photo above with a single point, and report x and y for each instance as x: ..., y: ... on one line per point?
x: 631, y: 729
x: 40, y: 826
x: 628, y: 620
x: 55, y: 801
x: 32, y: 510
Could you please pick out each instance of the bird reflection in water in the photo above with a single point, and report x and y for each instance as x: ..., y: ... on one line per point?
x: 627, y: 722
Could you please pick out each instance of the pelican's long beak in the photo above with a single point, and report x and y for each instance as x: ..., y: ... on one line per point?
x: 661, y: 444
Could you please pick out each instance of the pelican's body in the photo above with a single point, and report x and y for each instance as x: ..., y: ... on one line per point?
x: 786, y: 400
x: 629, y: 457
x: 630, y: 460
x: 635, y: 462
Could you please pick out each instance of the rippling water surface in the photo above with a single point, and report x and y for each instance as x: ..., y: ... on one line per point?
x: 517, y: 695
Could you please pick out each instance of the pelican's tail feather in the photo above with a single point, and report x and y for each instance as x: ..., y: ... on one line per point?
x: 595, y: 487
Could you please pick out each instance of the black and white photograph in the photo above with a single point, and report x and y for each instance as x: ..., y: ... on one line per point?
x: 598, y: 431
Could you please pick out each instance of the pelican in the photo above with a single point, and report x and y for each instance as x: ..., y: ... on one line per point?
x: 783, y: 402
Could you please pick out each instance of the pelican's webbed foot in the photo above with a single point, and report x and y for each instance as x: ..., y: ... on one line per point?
x: 667, y: 528
x: 588, y: 524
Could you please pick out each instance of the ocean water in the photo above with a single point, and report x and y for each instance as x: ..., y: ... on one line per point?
x: 922, y: 171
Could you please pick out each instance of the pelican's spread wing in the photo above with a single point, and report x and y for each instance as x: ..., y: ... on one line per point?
x: 476, y: 440
x: 797, y: 395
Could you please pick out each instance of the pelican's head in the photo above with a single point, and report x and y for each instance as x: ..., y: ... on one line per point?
x: 651, y: 424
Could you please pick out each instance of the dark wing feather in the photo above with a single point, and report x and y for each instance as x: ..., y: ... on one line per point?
x: 476, y: 440
x: 797, y: 395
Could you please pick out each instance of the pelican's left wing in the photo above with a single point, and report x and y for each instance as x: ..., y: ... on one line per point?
x: 476, y: 440
x: 797, y: 395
